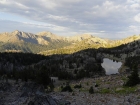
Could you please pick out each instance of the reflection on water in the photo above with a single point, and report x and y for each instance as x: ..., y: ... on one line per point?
x: 110, y: 66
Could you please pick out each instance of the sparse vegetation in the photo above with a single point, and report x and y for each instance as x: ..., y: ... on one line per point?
x: 103, y: 91
x: 126, y: 90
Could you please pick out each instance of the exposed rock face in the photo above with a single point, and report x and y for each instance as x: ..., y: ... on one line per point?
x: 5, y: 87
x: 24, y: 94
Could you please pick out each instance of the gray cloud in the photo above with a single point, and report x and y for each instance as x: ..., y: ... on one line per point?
x: 106, y: 18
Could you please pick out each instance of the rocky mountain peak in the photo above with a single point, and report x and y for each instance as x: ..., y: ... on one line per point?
x: 50, y: 35
x: 85, y: 35
x: 45, y: 33
x: 16, y: 32
x: 79, y: 37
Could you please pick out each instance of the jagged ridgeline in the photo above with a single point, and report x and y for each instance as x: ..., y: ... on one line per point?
x: 47, y: 43
x: 127, y: 45
x: 27, y: 42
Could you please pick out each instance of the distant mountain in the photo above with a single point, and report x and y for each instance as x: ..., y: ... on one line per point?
x: 90, y: 42
x: 43, y: 38
x: 44, y: 41
x: 28, y: 42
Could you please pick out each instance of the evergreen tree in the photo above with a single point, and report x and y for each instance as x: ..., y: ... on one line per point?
x: 43, y: 77
x: 67, y: 88
x: 91, y: 91
x: 51, y: 86
x: 133, y: 79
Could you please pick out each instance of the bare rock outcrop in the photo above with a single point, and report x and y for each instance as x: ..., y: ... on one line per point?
x: 24, y: 94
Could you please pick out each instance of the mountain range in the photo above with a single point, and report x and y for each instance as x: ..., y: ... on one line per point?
x: 46, y: 41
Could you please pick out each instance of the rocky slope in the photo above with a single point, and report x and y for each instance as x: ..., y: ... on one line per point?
x: 110, y: 91
x: 24, y: 94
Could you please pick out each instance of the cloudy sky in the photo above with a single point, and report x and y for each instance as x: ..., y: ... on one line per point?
x: 112, y: 19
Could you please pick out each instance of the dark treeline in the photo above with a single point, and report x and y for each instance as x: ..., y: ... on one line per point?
x: 17, y: 66
x: 20, y: 58
x: 40, y: 68
x: 133, y: 62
